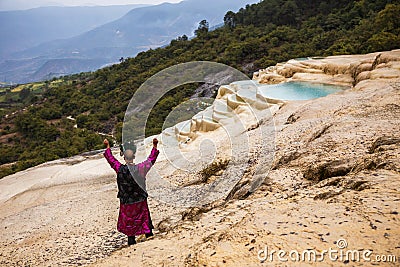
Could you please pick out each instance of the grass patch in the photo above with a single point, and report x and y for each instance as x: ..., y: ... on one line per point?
x: 19, y: 88
x: 56, y: 83
x: 4, y: 89
x: 31, y: 86
x: 37, y: 86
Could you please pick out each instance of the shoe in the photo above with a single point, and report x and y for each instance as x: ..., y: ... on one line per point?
x: 149, y: 234
x: 131, y: 240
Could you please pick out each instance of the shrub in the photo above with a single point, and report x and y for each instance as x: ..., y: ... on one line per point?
x: 213, y: 169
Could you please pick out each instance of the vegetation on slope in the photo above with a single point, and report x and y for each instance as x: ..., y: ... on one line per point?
x: 66, y: 119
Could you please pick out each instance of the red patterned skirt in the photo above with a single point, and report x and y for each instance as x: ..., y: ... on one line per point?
x: 134, y: 219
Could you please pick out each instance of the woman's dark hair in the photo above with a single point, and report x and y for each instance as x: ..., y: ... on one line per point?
x: 127, y: 146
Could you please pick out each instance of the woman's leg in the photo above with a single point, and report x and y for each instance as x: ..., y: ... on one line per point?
x: 131, y: 240
x: 151, y: 226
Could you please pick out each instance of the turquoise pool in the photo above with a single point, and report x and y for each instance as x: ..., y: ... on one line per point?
x: 298, y: 90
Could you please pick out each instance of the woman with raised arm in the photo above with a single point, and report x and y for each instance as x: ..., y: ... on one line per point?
x: 134, y: 215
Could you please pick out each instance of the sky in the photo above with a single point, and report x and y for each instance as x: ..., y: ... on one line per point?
x: 27, y: 4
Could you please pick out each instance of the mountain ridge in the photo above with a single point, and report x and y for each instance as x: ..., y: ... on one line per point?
x: 43, y: 24
x: 140, y: 29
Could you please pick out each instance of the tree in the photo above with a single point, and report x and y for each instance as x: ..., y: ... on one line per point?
x: 383, y: 41
x: 24, y: 93
x: 288, y: 13
x: 229, y: 20
x: 203, y: 28
x: 388, y: 19
x: 36, y: 130
x: 183, y: 38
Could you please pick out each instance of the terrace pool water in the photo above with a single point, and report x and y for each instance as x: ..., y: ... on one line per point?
x: 298, y: 90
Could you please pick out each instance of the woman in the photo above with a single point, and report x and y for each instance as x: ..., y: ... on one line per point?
x: 134, y: 215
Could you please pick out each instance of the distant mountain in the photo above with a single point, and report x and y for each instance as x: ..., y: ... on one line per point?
x: 41, y: 68
x: 140, y: 29
x: 24, y: 29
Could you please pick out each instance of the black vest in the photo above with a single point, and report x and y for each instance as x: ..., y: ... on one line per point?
x: 129, y: 191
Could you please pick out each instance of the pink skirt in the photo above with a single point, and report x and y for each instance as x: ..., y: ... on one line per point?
x: 134, y: 219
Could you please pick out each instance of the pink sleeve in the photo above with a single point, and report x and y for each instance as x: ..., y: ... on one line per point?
x: 145, y: 166
x: 153, y: 155
x: 114, y: 163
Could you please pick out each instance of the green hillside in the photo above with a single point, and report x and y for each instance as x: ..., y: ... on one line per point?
x: 256, y: 37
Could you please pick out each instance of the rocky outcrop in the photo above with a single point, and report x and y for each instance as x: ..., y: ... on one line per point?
x: 346, y: 70
x: 241, y: 98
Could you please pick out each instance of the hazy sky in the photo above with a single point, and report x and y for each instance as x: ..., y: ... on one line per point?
x: 27, y: 4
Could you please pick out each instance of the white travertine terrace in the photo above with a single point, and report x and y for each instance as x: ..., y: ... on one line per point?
x: 236, y: 97
x: 338, y: 70
x: 232, y: 100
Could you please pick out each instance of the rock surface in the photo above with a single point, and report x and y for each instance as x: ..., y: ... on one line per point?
x: 335, y: 175
x: 345, y: 70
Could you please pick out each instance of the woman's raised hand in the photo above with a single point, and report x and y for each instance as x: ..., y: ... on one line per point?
x: 106, y: 143
x: 155, y: 142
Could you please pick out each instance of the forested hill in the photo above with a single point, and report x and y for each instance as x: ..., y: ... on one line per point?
x: 256, y: 37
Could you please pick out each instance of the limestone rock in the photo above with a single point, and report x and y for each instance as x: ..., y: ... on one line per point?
x: 344, y: 70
